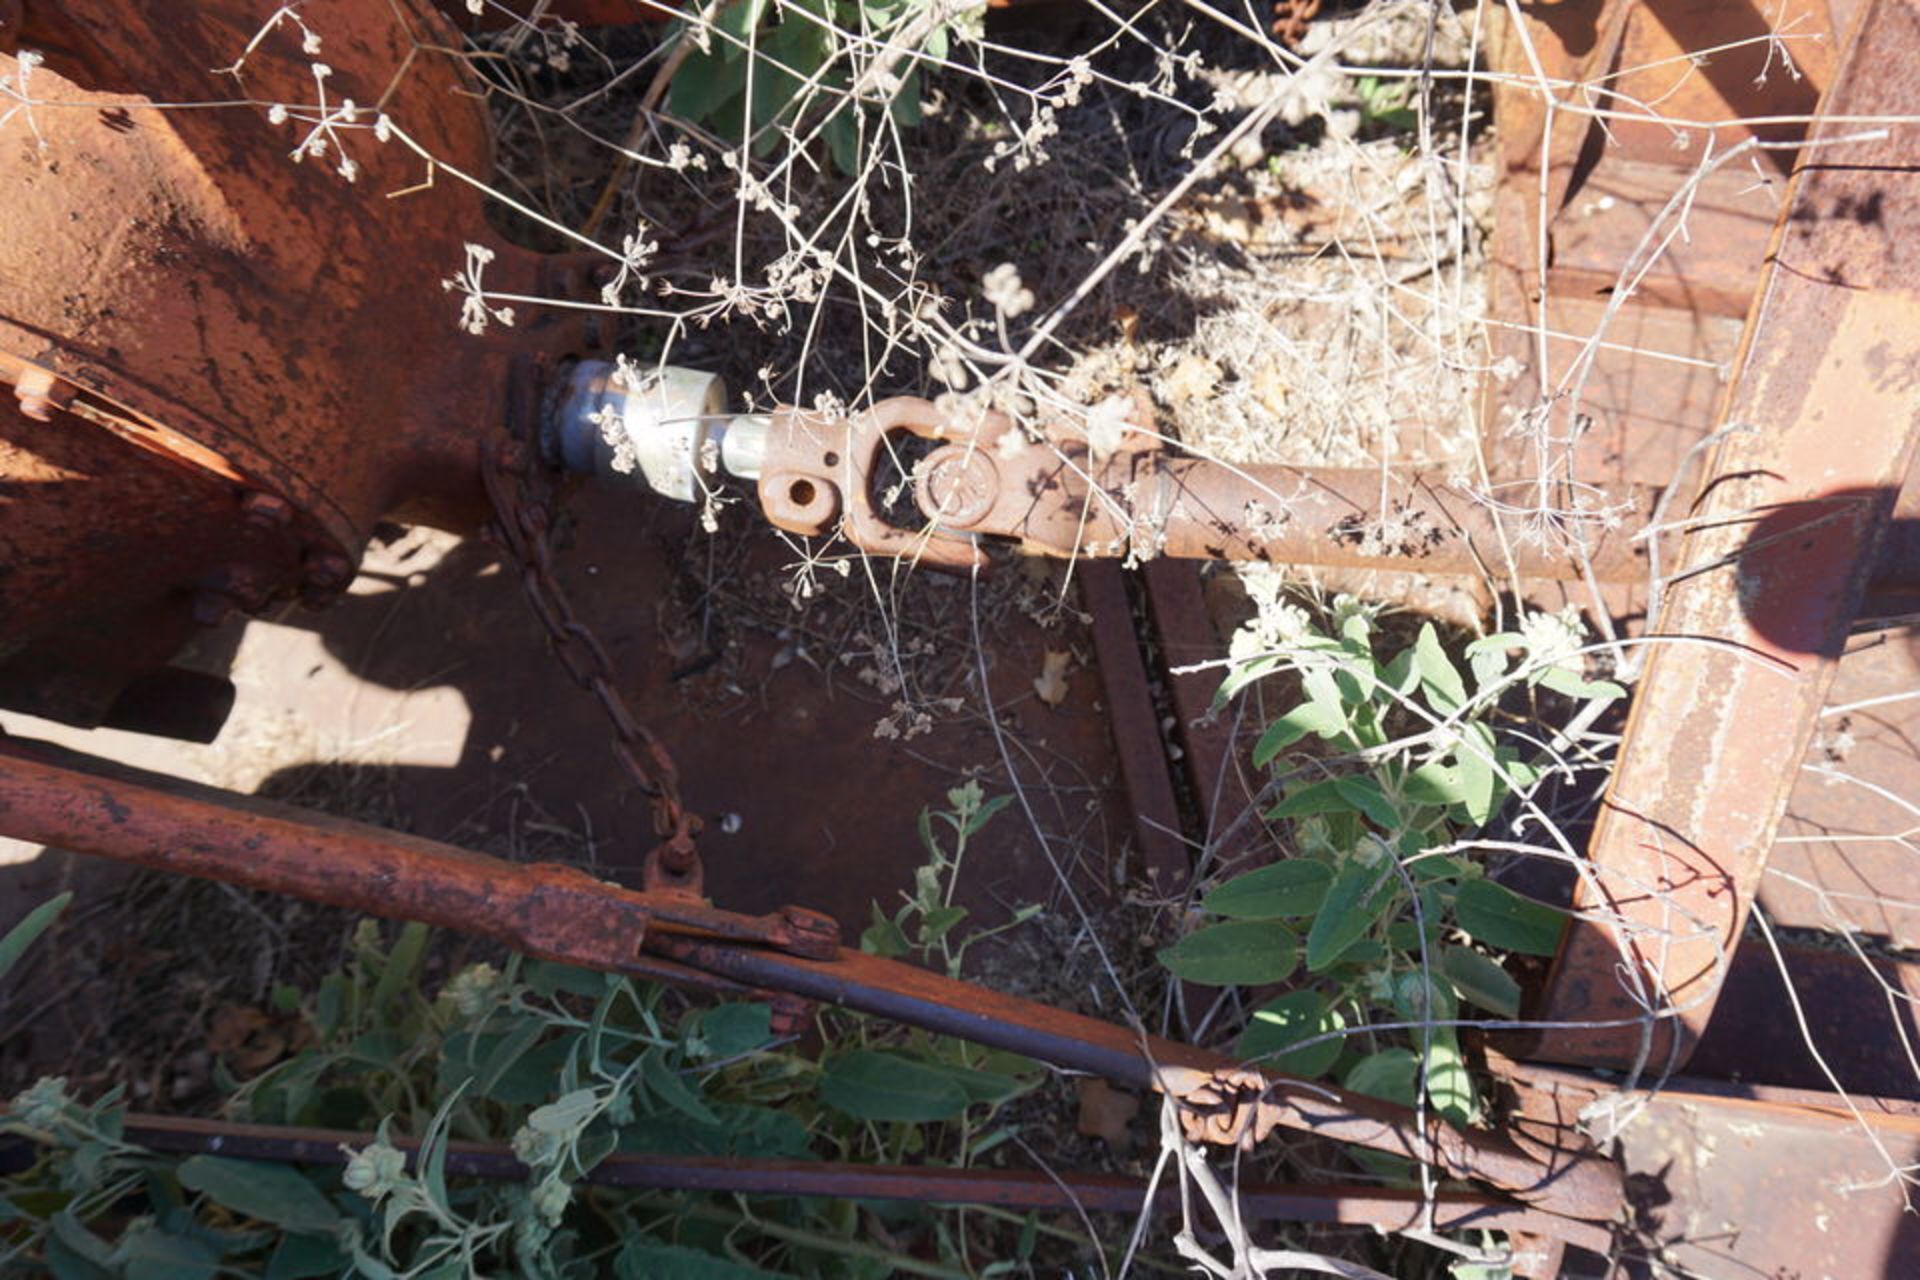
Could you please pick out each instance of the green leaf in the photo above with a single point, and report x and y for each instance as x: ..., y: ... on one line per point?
x: 1389, y: 1075
x: 23, y: 935
x: 870, y: 1085
x: 1295, y: 887
x: 842, y: 132
x: 645, y: 1259
x: 67, y: 1263
x: 1478, y: 785
x: 548, y: 978
x: 527, y: 1079
x: 1358, y: 895
x: 937, y: 923
x: 1244, y: 674
x: 1238, y: 953
x: 883, y: 937
x: 667, y: 1084
x: 1496, y: 915
x: 1477, y: 979
x: 1317, y: 797
x: 328, y: 1004
x: 1365, y: 795
x: 990, y: 1086
x: 152, y: 1254
x: 567, y: 1113
x: 1574, y: 685
x: 1322, y: 718
x: 274, y: 1193
x: 299, y: 1257
x: 403, y: 963
x: 985, y: 812
x: 1449, y: 1083
x: 1280, y: 1024
x: 1445, y: 691
x: 904, y: 106
x: 75, y: 1235
x: 730, y: 1030
x: 1434, y: 783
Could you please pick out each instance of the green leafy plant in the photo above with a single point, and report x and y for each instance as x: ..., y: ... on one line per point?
x: 926, y: 921
x: 1385, y: 768
x: 570, y: 1066
x: 761, y: 66
x: 1385, y: 102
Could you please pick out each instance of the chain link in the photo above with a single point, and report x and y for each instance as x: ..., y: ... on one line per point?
x: 522, y: 526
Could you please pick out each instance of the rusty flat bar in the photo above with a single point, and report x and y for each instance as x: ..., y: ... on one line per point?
x: 1738, y: 1180
x: 1385, y: 1209
x: 1137, y: 740
x: 1828, y: 385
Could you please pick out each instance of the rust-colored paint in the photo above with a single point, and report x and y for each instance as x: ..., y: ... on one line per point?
x: 1127, y: 697
x: 1829, y: 382
x: 1742, y: 1180
x: 231, y: 365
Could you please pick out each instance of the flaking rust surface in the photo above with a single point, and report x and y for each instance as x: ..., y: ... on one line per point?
x: 1721, y: 1192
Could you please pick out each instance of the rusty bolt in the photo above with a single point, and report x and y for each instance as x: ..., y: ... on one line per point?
x: 265, y: 510
x: 957, y: 485
x: 327, y: 570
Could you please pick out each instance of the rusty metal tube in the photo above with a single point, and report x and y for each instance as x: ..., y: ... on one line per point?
x: 55, y: 797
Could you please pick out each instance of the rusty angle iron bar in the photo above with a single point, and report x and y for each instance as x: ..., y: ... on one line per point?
x: 1784, y: 538
x: 72, y: 802
x: 1382, y: 1208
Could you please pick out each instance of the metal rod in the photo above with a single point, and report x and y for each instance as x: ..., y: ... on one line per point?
x: 1387, y: 1209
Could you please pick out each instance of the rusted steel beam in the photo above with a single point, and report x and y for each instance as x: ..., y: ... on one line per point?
x: 563, y: 914
x: 1385, y: 1209
x: 1783, y: 540
x: 1138, y: 743
x: 1739, y: 1180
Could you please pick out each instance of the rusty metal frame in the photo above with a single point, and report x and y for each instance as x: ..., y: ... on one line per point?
x: 1776, y: 560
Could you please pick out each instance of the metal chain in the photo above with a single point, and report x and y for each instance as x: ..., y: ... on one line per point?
x: 522, y: 526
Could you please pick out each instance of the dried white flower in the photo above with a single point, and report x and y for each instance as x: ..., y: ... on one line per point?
x: 1555, y: 637
x: 1107, y: 426
x: 1001, y: 287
